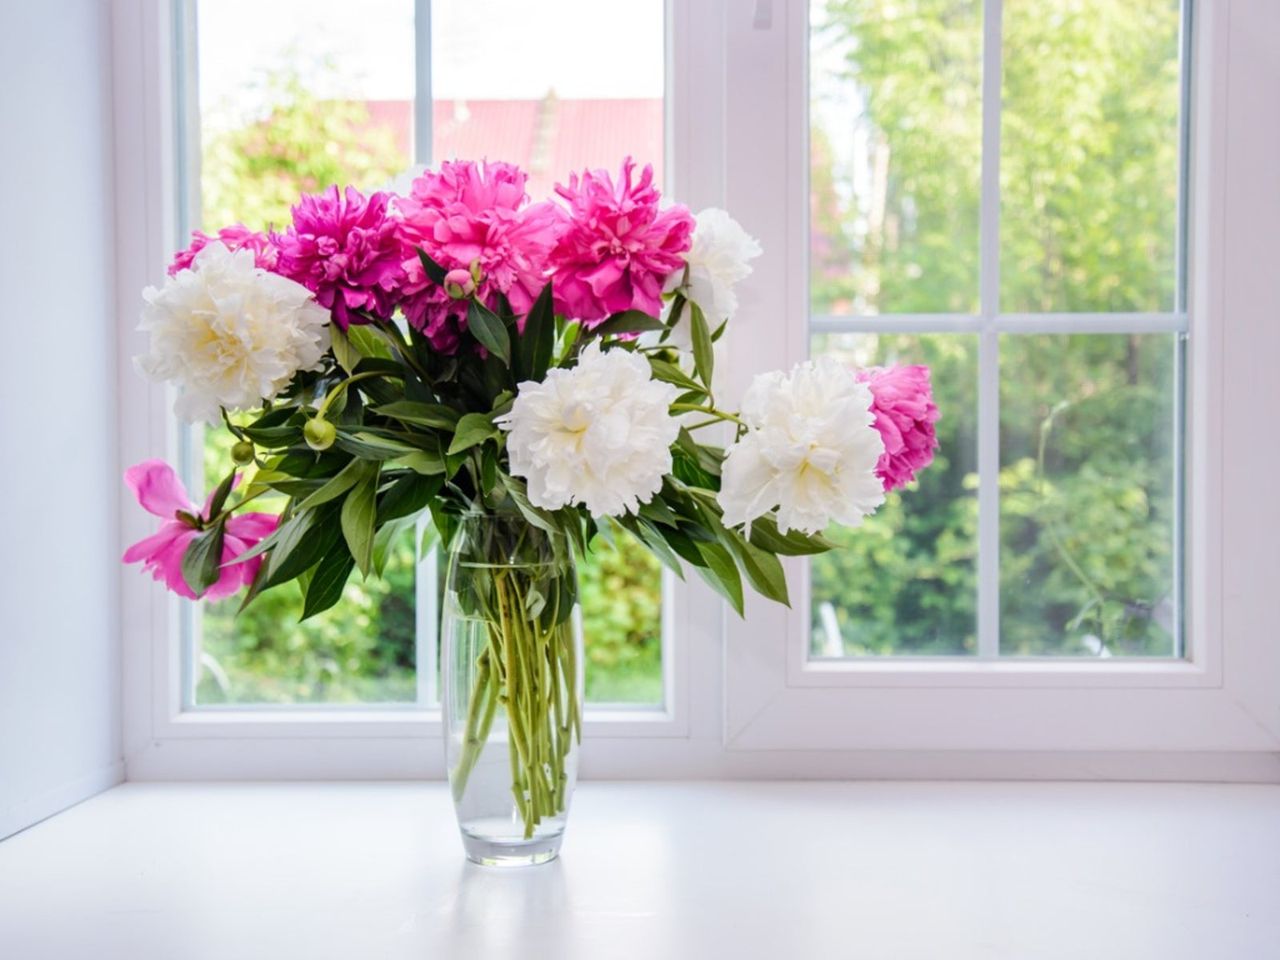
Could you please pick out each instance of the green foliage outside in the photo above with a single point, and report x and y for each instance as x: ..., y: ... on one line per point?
x: 363, y: 650
x: 1088, y: 223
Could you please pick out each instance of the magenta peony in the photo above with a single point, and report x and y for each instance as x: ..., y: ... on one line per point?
x: 905, y: 414
x: 473, y: 219
x: 160, y: 492
x: 618, y: 247
x: 234, y: 237
x: 343, y: 248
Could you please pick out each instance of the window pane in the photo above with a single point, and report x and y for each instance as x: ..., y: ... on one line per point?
x: 293, y: 98
x: 1089, y: 155
x: 532, y: 85
x: 297, y: 95
x: 905, y: 581
x: 895, y: 148
x: 1087, y: 498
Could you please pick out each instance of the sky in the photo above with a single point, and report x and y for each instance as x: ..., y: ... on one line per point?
x: 481, y: 49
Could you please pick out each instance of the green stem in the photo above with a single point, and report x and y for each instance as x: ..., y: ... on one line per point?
x: 336, y: 390
x: 709, y: 411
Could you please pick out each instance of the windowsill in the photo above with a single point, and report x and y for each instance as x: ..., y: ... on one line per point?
x: 667, y: 870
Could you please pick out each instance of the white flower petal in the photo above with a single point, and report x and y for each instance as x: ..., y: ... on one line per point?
x: 810, y: 451
x: 598, y: 434
x: 229, y: 333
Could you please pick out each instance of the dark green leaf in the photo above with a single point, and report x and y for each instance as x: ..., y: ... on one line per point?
x: 407, y: 496
x: 219, y: 498
x: 301, y: 542
x: 487, y: 327
x: 721, y: 573
x: 629, y: 321
x: 327, y: 581
x: 336, y: 486
x: 202, y: 562
x: 435, y: 273
x: 370, y: 446
x: 422, y: 414
x: 539, y: 338
x: 763, y: 570
x: 359, y: 511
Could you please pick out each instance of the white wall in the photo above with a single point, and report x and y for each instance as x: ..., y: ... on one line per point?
x: 59, y: 479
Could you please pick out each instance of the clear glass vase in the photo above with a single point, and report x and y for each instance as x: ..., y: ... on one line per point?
x: 512, y: 687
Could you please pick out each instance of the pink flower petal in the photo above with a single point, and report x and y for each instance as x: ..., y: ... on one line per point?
x: 158, y: 488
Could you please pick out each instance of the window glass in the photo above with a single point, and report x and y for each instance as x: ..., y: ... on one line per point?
x: 295, y: 95
x: 1087, y: 459
x: 895, y: 154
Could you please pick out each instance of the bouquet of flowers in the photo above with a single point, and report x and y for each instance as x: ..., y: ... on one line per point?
x: 527, y: 375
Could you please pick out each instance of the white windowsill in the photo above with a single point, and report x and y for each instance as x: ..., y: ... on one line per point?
x: 649, y: 870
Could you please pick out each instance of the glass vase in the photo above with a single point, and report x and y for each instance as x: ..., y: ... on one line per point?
x: 512, y: 687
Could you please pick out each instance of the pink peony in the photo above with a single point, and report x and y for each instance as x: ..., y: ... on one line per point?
x: 343, y: 248
x: 472, y: 216
x: 234, y: 237
x: 618, y: 247
x: 902, y: 401
x: 160, y: 492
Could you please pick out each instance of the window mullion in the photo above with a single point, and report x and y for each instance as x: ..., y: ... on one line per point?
x: 989, y: 341
x: 423, y: 100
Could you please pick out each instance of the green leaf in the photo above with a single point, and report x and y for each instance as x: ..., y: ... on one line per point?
x: 420, y: 461
x: 420, y: 414
x: 370, y: 446
x: 721, y: 573
x: 435, y: 273
x: 765, y: 535
x: 487, y: 327
x: 628, y: 321
x: 359, y: 511
x: 472, y: 429
x: 670, y: 373
x: 357, y: 343
x: 703, y: 351
x: 347, y: 477
x: 406, y: 497
x: 535, y: 515
x: 763, y: 570
x: 202, y: 561
x: 220, y: 495
x: 385, y: 539
x: 301, y: 542
x: 327, y: 582
x: 539, y: 338
x: 647, y: 531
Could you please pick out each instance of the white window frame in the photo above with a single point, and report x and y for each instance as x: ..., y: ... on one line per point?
x: 1211, y: 702
x: 744, y: 699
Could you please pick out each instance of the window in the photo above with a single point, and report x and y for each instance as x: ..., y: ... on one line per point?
x: 1081, y: 277
x: 1045, y: 297
x: 322, y: 94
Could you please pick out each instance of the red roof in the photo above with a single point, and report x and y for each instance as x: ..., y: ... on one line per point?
x: 547, y: 138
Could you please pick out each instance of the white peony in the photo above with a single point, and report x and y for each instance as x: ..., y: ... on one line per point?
x: 229, y: 334
x: 717, y: 261
x: 810, y: 450
x: 599, y: 433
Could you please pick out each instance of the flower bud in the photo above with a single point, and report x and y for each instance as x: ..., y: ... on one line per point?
x: 242, y: 453
x: 319, y: 433
x: 459, y: 283
x: 475, y: 271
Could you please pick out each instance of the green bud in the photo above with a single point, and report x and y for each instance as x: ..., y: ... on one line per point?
x: 242, y: 453
x: 319, y: 433
x: 476, y: 273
